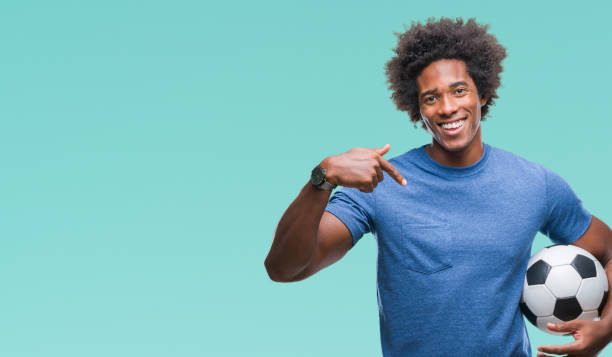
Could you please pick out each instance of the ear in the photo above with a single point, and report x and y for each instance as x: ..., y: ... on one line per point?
x: 483, y: 101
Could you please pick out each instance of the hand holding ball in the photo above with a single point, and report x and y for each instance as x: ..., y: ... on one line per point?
x: 563, y: 283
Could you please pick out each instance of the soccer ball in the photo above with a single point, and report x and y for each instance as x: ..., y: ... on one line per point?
x: 563, y: 283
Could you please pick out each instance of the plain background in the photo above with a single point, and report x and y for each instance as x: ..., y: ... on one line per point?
x: 149, y: 148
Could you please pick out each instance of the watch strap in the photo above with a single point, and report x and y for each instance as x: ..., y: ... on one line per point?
x: 317, y: 179
x: 326, y: 186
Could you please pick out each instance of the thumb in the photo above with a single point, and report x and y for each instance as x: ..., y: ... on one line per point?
x: 383, y: 150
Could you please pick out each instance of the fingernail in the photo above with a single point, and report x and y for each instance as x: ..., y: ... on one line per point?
x: 404, y: 182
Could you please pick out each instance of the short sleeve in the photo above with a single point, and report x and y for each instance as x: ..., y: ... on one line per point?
x: 566, y: 219
x: 355, y: 209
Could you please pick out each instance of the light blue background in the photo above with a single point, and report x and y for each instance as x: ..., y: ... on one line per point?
x: 149, y: 148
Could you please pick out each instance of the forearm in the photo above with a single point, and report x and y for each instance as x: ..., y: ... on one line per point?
x: 606, y: 315
x: 598, y: 241
x: 295, y: 239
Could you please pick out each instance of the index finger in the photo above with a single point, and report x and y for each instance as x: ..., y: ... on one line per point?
x: 386, y: 165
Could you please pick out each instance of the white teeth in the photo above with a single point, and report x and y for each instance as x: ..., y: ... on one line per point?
x: 454, y: 124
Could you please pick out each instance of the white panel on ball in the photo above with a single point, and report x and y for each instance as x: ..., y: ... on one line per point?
x: 589, y: 315
x: 589, y: 294
x: 563, y: 281
x: 601, y: 276
x: 560, y: 254
x: 539, y: 300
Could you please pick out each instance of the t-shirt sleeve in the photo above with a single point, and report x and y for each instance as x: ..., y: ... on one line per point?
x: 355, y: 209
x: 566, y: 219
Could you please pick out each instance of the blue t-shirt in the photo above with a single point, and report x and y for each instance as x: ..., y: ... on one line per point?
x: 453, y: 246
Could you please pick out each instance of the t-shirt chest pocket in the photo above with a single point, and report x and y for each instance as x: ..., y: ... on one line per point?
x: 426, y: 248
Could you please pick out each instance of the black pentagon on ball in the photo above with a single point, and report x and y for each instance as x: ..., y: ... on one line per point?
x: 567, y: 309
x: 584, y: 266
x: 528, y: 314
x: 603, y: 303
x: 537, y: 273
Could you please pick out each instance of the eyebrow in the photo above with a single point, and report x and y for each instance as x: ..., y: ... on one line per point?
x: 432, y: 91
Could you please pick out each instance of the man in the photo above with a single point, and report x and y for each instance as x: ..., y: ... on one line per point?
x: 455, y: 225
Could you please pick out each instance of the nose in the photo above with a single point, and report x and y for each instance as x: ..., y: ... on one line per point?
x: 447, y: 106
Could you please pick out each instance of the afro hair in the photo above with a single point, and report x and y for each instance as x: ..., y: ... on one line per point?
x: 422, y: 44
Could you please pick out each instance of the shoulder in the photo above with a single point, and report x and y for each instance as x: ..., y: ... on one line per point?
x: 511, y: 157
x: 511, y: 161
x: 521, y: 172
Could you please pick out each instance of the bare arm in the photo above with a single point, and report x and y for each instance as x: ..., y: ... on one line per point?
x: 309, y: 239
x: 597, y: 240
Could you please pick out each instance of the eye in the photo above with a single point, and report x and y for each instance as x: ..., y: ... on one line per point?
x: 430, y: 99
x: 460, y: 91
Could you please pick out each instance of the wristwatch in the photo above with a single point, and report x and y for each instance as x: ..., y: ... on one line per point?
x: 317, y: 179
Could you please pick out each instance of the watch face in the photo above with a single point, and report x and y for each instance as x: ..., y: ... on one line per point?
x: 318, y: 176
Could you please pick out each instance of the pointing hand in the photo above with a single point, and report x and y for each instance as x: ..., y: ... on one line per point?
x: 360, y: 168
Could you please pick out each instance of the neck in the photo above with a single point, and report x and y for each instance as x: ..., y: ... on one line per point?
x: 460, y: 158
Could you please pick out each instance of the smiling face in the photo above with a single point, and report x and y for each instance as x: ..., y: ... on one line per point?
x: 450, y: 106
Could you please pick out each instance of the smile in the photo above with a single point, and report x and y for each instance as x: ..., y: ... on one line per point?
x: 453, y: 125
